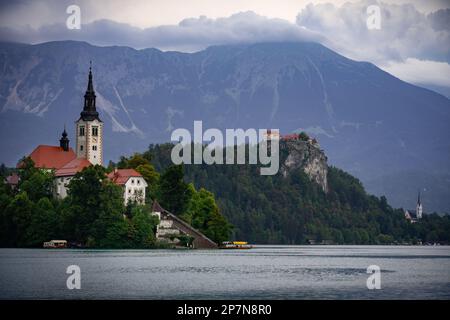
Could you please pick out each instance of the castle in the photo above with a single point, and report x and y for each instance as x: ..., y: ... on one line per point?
x: 65, y: 162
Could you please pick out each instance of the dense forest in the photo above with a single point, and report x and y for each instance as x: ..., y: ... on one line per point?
x: 294, y: 210
x: 223, y: 201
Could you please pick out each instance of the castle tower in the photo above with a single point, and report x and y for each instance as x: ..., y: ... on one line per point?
x: 89, y: 128
x: 419, y: 207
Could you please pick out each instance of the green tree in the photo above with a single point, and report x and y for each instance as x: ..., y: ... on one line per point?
x: 44, y: 224
x: 203, y: 214
x: 94, y: 210
x: 173, y: 193
x: 151, y: 177
x: 36, y: 182
x: 17, y: 216
x: 144, y: 224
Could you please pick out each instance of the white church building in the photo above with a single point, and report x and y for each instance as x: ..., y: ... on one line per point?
x: 66, y: 162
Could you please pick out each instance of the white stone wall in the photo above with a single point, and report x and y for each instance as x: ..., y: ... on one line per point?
x: 61, y: 184
x: 134, y: 190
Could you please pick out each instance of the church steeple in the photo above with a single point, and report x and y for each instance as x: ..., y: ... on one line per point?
x: 89, y: 112
x: 419, y: 209
x: 64, y: 141
x: 89, y: 128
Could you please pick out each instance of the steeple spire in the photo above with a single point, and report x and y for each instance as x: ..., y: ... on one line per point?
x: 64, y: 141
x: 419, y: 209
x: 89, y: 112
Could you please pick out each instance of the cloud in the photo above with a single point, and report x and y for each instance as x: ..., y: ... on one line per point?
x: 408, y: 38
x: 411, y: 44
x: 190, y: 34
x: 405, y: 32
x: 423, y: 72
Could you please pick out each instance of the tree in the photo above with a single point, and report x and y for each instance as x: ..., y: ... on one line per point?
x: 3, y: 171
x: 144, y: 224
x: 94, y: 211
x: 173, y: 193
x: 44, y: 224
x: 151, y: 177
x: 38, y: 183
x: 133, y: 162
x: 18, y: 215
x: 203, y: 214
x: 303, y: 136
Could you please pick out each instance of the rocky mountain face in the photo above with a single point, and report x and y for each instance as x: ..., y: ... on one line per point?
x: 309, y: 157
x: 390, y: 134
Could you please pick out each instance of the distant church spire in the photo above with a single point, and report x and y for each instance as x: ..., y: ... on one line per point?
x: 64, y: 141
x: 89, y: 112
x: 419, y: 209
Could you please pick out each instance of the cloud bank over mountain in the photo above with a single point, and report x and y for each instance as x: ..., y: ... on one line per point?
x: 191, y: 34
x: 409, y: 39
x: 410, y: 44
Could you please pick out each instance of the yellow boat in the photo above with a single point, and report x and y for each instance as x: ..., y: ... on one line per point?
x: 235, y: 245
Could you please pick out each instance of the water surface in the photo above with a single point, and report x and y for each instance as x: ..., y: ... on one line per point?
x: 265, y: 272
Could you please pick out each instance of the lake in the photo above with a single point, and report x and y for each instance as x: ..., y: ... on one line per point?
x: 265, y: 272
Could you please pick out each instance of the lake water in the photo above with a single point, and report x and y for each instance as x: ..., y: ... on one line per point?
x: 265, y: 272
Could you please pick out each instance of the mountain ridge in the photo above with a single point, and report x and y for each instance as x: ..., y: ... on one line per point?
x: 369, y: 122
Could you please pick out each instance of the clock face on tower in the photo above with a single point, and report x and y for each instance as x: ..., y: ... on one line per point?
x: 94, y: 140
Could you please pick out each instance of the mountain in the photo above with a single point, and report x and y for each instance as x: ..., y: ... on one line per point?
x: 390, y: 134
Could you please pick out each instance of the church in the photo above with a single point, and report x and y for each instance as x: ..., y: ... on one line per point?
x: 66, y: 162
x: 414, y: 215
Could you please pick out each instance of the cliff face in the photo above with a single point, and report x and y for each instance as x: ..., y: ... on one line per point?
x: 307, y: 156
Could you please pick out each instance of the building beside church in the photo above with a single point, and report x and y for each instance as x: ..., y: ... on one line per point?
x: 415, y: 215
x: 132, y: 182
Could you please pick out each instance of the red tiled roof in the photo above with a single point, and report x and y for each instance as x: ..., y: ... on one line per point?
x: 121, y: 176
x: 293, y: 136
x: 71, y: 168
x: 51, y: 157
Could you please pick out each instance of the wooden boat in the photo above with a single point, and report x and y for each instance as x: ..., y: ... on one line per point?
x: 55, y: 244
x: 235, y: 245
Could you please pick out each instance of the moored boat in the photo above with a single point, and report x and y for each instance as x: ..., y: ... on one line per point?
x: 55, y: 244
x: 235, y: 245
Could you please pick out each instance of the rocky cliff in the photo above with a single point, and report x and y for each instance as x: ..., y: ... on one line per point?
x: 307, y: 155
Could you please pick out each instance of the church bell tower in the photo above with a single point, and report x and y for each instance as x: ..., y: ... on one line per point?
x: 89, y: 128
x: 419, y: 207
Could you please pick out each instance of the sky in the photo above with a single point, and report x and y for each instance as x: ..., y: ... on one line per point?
x: 412, y: 42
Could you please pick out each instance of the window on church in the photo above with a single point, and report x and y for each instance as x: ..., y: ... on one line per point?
x: 81, y: 131
x: 81, y: 148
x: 94, y: 131
x: 94, y: 148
